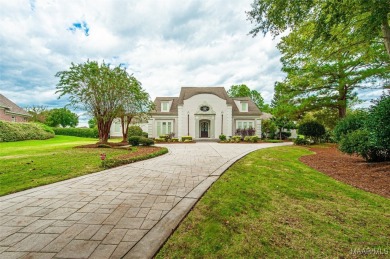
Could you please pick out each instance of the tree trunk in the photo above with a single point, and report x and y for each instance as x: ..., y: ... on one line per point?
x: 342, y: 102
x: 104, y: 130
x: 342, y: 111
x: 386, y: 34
x: 125, y: 126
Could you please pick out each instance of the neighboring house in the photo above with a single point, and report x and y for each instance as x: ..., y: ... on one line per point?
x: 203, y: 113
x: 9, y: 111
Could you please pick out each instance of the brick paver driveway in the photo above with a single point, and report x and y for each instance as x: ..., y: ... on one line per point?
x: 122, y: 212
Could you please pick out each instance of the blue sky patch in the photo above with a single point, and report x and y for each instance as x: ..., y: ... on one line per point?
x: 82, y: 26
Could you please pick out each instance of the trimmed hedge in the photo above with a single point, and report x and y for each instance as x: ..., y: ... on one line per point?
x: 77, y: 132
x: 184, y: 138
x: 17, y: 131
x: 134, y: 130
x: 114, y: 162
x: 137, y: 140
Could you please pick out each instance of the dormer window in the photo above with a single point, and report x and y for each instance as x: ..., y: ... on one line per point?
x: 244, y: 107
x: 165, y: 106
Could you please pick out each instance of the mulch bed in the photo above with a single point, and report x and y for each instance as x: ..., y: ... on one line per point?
x: 96, y: 145
x: 139, y: 152
x: 353, y: 170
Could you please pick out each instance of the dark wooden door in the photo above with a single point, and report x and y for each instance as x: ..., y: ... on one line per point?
x: 204, y: 129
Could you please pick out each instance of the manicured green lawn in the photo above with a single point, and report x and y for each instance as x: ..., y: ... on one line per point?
x: 271, y: 205
x: 26, y: 164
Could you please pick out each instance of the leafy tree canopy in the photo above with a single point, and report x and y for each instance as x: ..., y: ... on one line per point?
x: 38, y: 113
x: 96, y: 88
x: 244, y: 91
x: 318, y: 78
x: 63, y: 117
x: 366, y: 20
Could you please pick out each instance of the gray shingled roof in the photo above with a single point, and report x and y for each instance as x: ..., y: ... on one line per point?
x: 11, y: 107
x: 188, y: 92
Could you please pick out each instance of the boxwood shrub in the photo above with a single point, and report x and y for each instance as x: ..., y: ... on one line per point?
x: 146, y: 141
x: 77, y: 132
x: 134, y: 140
x: 184, y: 138
x: 17, y: 131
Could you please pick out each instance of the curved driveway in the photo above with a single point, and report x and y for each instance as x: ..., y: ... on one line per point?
x: 127, y: 211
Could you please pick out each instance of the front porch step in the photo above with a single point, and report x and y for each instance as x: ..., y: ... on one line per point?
x: 206, y: 140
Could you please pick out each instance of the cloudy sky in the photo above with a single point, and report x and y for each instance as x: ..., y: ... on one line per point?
x: 165, y: 44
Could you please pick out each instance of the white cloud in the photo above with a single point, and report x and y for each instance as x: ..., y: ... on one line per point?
x: 165, y: 44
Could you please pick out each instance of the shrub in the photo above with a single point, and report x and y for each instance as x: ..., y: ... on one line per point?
x: 12, y: 131
x: 175, y: 140
x: 134, y: 140
x: 251, y: 139
x: 145, y: 134
x: 312, y: 129
x: 372, y: 140
x: 235, y: 139
x: 245, y: 132
x: 146, y: 141
x: 285, y: 135
x: 134, y: 130
x: 378, y: 123
x: 357, y: 142
x: 349, y: 124
x: 187, y: 140
x: 159, y: 139
x: 184, y: 138
x: 222, y: 137
x: 165, y: 137
x: 77, y: 132
x: 301, y: 141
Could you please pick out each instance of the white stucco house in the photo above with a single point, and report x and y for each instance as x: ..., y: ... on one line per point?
x: 200, y: 112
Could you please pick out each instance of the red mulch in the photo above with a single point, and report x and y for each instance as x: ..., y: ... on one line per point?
x: 140, y: 152
x: 96, y: 145
x: 353, y: 170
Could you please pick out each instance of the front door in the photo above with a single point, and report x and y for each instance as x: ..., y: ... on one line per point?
x: 204, y: 129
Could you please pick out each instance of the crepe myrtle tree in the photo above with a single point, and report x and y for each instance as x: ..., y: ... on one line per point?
x: 96, y: 88
x: 135, y: 104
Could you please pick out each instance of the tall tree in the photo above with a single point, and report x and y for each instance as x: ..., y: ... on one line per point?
x: 318, y: 77
x: 63, y: 117
x: 367, y: 20
x: 135, y: 104
x: 38, y: 113
x: 98, y: 89
x: 244, y: 91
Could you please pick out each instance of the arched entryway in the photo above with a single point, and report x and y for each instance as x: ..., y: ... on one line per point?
x: 204, y: 128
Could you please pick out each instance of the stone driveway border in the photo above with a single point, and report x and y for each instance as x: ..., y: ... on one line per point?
x: 124, y: 212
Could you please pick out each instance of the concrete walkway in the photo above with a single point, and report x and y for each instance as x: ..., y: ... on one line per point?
x: 127, y: 211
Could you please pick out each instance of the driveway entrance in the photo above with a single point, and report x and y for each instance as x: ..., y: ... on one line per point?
x: 128, y: 211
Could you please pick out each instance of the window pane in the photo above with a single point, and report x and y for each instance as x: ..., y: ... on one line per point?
x: 165, y: 106
x: 244, y: 107
x: 239, y: 125
x: 158, y: 128
x: 245, y: 125
x: 169, y: 127
x: 117, y: 127
x: 250, y: 124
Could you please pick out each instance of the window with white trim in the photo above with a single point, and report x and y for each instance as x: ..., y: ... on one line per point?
x: 244, y: 106
x: 117, y: 127
x: 165, y: 106
x: 241, y: 124
x: 164, y: 127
